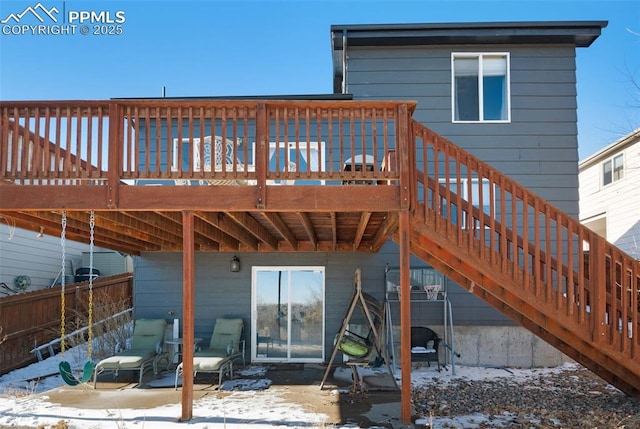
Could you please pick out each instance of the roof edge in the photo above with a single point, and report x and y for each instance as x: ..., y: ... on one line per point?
x: 579, y: 33
x: 622, y: 143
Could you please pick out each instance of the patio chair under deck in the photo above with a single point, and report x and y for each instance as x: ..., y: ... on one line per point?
x: 224, y: 348
x: 145, y: 351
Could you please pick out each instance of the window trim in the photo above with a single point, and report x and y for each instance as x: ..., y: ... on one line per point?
x: 479, y: 56
x: 611, y: 162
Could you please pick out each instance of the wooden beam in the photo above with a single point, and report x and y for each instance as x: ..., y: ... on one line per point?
x: 203, y: 198
x: 55, y: 197
x: 308, y: 227
x: 76, y: 230
x: 228, y: 226
x: 207, y: 236
x: 388, y: 227
x: 262, y: 155
x: 188, y: 319
x: 282, y: 228
x: 131, y: 227
x: 405, y: 317
x: 362, y: 226
x: 254, y: 227
x: 115, y: 150
x: 291, y: 199
x: 211, y: 232
x: 334, y: 230
x: 109, y: 231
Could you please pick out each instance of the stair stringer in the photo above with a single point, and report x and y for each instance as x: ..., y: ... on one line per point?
x: 505, y: 293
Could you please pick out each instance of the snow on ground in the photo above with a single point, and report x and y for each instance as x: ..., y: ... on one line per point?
x: 24, y: 402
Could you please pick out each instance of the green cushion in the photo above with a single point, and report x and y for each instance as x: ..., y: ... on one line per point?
x: 147, y: 333
x: 353, y: 347
x: 208, y: 363
x: 225, y: 332
x: 127, y: 359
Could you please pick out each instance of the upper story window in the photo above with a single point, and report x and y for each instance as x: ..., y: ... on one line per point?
x: 480, y: 90
x: 612, y: 169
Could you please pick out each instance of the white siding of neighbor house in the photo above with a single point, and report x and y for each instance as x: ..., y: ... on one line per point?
x: 618, y: 202
x: 38, y: 258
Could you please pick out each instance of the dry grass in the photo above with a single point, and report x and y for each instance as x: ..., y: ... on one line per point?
x: 109, y: 333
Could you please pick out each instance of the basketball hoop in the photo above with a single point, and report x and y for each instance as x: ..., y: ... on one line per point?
x: 432, y: 291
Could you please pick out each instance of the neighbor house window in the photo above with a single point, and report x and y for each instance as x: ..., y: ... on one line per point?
x: 613, y: 169
x: 480, y: 90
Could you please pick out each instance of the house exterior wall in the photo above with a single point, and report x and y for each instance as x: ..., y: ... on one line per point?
x: 538, y: 148
x: 616, y: 204
x: 38, y: 258
x: 222, y: 293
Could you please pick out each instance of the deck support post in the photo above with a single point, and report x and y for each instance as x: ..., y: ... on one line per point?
x: 188, y: 302
x: 405, y: 316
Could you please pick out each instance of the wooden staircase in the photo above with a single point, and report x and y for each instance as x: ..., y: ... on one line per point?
x: 526, y: 258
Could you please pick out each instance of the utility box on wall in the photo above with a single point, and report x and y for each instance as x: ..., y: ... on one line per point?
x: 109, y: 263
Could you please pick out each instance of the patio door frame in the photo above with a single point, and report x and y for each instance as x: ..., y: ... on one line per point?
x: 288, y: 269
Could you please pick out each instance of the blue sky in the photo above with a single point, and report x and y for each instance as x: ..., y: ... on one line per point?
x: 217, y: 48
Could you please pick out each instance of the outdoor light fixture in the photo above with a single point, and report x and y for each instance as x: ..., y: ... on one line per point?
x: 235, y: 264
x: 41, y: 233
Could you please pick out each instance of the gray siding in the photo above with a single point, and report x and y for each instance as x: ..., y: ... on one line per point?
x: 219, y: 292
x: 538, y: 148
x: 542, y: 136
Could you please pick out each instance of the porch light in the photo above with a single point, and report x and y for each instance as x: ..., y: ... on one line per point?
x: 235, y: 264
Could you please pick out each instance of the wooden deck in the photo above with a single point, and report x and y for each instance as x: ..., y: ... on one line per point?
x: 320, y: 176
x: 119, y: 159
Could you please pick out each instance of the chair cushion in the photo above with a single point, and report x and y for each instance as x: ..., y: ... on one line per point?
x: 208, y: 363
x: 418, y: 349
x: 129, y: 359
x: 225, y: 332
x: 352, y: 347
x: 147, y: 333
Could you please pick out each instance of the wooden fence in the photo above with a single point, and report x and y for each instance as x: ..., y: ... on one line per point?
x: 33, y: 318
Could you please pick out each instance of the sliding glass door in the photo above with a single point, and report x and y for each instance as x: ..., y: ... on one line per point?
x: 287, y: 314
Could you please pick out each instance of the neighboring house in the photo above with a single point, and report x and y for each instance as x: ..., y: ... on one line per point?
x: 38, y: 256
x: 610, y: 193
x: 526, y: 127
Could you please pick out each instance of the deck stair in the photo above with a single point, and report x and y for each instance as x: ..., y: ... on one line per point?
x: 526, y: 258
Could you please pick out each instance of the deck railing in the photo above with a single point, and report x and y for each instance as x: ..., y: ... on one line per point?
x: 562, y: 268
x: 198, y: 142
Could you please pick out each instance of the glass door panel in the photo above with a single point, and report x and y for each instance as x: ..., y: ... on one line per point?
x: 288, y: 314
x: 307, y: 315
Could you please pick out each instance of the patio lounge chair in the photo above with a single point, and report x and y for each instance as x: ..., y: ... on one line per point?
x: 145, y: 351
x: 224, y: 348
